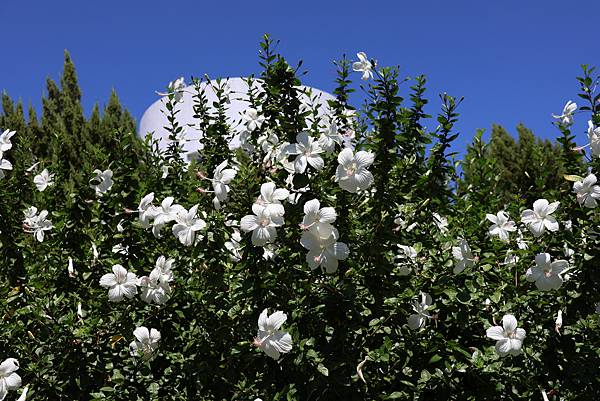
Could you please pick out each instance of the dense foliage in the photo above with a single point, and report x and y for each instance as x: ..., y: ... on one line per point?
x: 428, y: 263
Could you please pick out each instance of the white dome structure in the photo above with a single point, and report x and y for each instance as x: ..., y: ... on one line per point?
x: 154, y: 118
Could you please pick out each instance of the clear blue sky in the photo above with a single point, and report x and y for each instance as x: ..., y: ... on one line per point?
x: 513, y: 61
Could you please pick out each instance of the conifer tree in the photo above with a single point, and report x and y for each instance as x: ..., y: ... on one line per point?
x: 525, y: 168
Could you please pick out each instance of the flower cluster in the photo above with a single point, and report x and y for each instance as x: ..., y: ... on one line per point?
x: 268, y: 214
x: 320, y: 238
x: 5, y: 144
x: 187, y: 222
x: 36, y: 223
x: 155, y: 288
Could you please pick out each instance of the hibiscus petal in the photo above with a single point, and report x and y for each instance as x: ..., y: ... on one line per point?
x: 552, y: 207
x: 281, y: 194
x: 509, y: 322
x: 115, y: 294
x: 515, y: 346
x: 262, y: 320
x: 459, y: 267
x: 495, y: 333
x: 559, y: 265
x: 349, y: 184
x: 346, y: 157
x: 554, y: 282
x: 266, y: 191
x: 327, y: 215
x: 415, y: 321
x: 537, y: 228
x: 316, y: 162
x: 503, y: 347
x: 154, y: 335
x: 13, y: 381
x: 108, y: 280
x: 551, y: 223
x: 303, y: 138
x: 533, y: 274
x: 248, y: 223
x: 276, y: 319
x: 492, y: 218
x: 120, y: 273
x: 340, y: 251
x: 528, y: 216
x: 364, y: 159
x: 269, y: 349
x: 309, y: 240
x: 329, y: 262
x: 8, y: 366
x: 312, y: 206
x: 129, y: 290
x: 540, y: 207
x: 228, y: 175
x: 300, y: 164
x: 282, y: 341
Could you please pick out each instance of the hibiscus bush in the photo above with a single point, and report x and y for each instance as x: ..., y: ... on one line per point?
x: 336, y: 254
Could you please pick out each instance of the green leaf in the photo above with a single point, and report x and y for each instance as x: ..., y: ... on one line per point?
x: 572, y: 177
x: 323, y: 370
x: 451, y: 293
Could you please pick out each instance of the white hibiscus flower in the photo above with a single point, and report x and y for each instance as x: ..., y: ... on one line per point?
x: 5, y: 143
x: 43, y: 180
x: 36, y: 224
x: 352, y: 174
x: 363, y: 65
x: 315, y: 216
x: 440, y: 222
x: 152, y: 290
x: 234, y: 246
x: 324, y: 249
x: 9, y: 379
x: 330, y: 136
x: 220, y: 183
x: 262, y: 224
x: 166, y: 213
x: 102, y: 182
x: 547, y: 274
x: 252, y: 119
x: 177, y: 88
x: 120, y: 284
x: 540, y: 217
x: 146, y: 211
x: 566, y: 118
x: 587, y: 192
x: 146, y: 342
x: 270, y: 339
x: 307, y: 151
x: 164, y: 267
x: 419, y: 318
x: 462, y: 256
x: 502, y: 225
x: 187, y: 225
x: 4, y: 165
x: 509, y: 338
x: 594, y: 138
x: 406, y: 260
x: 270, y: 198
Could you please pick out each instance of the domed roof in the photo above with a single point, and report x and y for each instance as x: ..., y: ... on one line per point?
x: 154, y: 118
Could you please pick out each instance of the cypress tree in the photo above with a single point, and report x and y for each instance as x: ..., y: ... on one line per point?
x: 526, y: 168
